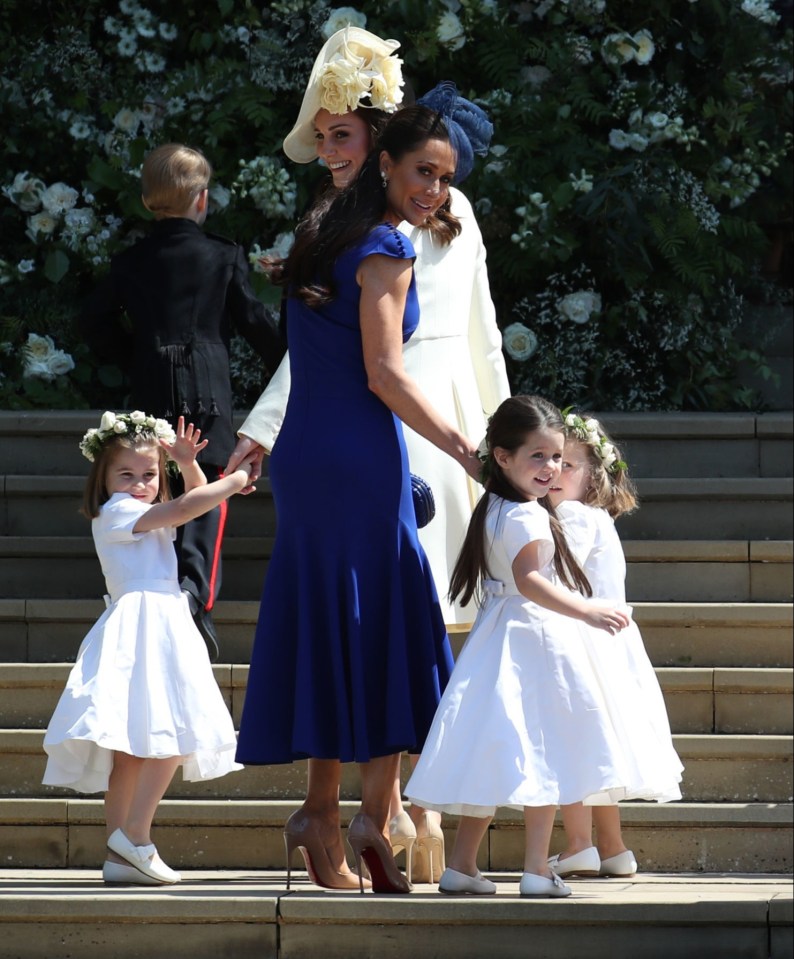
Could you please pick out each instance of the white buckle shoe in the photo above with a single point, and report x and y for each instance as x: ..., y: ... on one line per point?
x: 584, y: 863
x: 622, y: 865
x: 539, y: 887
x: 455, y: 883
x: 143, y: 858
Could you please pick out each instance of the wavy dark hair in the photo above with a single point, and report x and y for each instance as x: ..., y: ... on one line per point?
x: 508, y: 429
x: 339, y: 219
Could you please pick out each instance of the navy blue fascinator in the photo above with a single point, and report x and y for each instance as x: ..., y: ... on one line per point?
x: 470, y: 130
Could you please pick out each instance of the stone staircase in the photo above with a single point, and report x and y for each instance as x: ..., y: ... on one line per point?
x: 710, y: 578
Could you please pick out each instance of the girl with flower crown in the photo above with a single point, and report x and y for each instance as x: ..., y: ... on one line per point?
x: 592, y: 491
x: 524, y: 721
x: 455, y: 356
x: 141, y: 699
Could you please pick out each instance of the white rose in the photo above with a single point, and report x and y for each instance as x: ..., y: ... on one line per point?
x: 616, y: 48
x: 592, y: 425
x: 59, y: 198
x: 41, y: 224
x: 127, y: 121
x: 39, y: 347
x: 150, y: 422
x: 519, y: 341
x: 60, y: 363
x: 658, y: 120
x: 578, y: 307
x: 119, y: 426
x: 340, y: 18
x: 450, y: 31
x: 107, y: 421
x: 38, y: 368
x: 570, y: 419
x: 137, y: 417
x: 618, y: 139
x: 645, y: 47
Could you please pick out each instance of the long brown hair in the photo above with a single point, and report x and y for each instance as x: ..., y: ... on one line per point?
x: 340, y: 218
x: 95, y: 493
x: 508, y: 428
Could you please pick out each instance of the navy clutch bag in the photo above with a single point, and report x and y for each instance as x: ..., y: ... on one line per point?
x: 424, y: 504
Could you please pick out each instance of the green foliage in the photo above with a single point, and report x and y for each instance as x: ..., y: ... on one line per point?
x: 641, y: 161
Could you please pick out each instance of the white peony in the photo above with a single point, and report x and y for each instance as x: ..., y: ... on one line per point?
x: 450, y: 31
x: 519, y: 341
x: 41, y: 224
x: 341, y: 18
x: 59, y: 198
x: 645, y: 47
x: 579, y: 307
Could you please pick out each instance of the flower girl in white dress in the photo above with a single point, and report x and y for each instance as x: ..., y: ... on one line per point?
x: 592, y: 491
x: 141, y: 699
x: 523, y: 720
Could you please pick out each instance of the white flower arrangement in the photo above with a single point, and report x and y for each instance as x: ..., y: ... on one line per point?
x: 589, y: 431
x: 43, y: 361
x: 136, y: 423
x: 580, y: 306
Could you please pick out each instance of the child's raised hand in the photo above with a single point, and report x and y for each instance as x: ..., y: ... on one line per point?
x: 187, y: 445
x: 607, y: 618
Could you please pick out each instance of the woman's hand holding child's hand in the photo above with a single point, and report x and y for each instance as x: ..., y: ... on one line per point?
x: 187, y: 445
x: 605, y: 617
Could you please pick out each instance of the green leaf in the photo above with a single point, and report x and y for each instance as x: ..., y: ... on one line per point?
x: 56, y: 266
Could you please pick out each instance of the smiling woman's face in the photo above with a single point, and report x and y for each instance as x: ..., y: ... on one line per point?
x: 418, y: 183
x: 343, y: 142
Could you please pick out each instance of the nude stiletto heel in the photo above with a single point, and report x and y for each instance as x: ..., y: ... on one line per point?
x: 302, y: 832
x: 429, y: 856
x: 402, y: 834
x: 369, y: 844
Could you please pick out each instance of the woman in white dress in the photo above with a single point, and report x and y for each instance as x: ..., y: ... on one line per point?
x: 141, y: 699
x: 523, y: 721
x: 456, y: 354
x: 593, y: 489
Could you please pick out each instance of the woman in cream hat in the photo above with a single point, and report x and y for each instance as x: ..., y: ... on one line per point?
x: 455, y: 356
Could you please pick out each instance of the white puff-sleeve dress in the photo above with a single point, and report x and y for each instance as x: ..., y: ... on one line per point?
x: 142, y: 683
x: 523, y: 720
x: 455, y: 356
x: 633, y: 695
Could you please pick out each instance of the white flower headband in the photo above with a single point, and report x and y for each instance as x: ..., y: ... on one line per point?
x: 121, y: 424
x: 347, y: 79
x: 589, y: 431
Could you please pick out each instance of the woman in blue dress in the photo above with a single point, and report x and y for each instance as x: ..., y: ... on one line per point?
x: 351, y: 653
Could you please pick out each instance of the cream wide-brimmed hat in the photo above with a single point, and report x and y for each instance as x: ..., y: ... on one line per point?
x: 353, y: 66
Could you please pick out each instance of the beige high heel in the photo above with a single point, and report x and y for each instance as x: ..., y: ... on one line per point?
x: 428, y: 851
x: 369, y: 846
x: 402, y: 835
x: 302, y: 832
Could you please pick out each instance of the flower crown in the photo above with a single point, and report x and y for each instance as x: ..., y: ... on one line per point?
x: 124, y: 424
x: 347, y: 79
x: 589, y: 431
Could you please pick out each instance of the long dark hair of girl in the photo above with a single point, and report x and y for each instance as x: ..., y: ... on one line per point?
x: 508, y: 428
x: 339, y: 219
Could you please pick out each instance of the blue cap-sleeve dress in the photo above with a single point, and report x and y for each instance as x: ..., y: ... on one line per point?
x: 350, y: 654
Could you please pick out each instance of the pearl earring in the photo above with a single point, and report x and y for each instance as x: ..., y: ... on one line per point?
x: 384, y: 179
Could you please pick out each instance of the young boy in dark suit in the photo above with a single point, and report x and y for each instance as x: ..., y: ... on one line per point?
x: 184, y: 292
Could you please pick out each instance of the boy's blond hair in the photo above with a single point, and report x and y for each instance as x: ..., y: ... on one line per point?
x: 172, y: 177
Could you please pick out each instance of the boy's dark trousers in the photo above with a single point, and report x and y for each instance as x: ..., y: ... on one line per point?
x: 198, y: 549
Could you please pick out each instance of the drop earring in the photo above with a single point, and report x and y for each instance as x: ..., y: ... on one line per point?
x: 384, y: 179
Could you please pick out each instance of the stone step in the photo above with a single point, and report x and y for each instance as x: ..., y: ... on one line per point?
x: 249, y: 914
x: 668, y: 570
x: 654, y: 444
x: 675, y: 634
x: 211, y: 834
x: 698, y: 699
x: 671, y: 508
x: 718, y: 768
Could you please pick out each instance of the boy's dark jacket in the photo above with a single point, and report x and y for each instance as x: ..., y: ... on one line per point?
x: 185, y: 293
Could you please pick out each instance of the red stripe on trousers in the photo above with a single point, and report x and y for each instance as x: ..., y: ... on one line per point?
x: 216, y: 553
